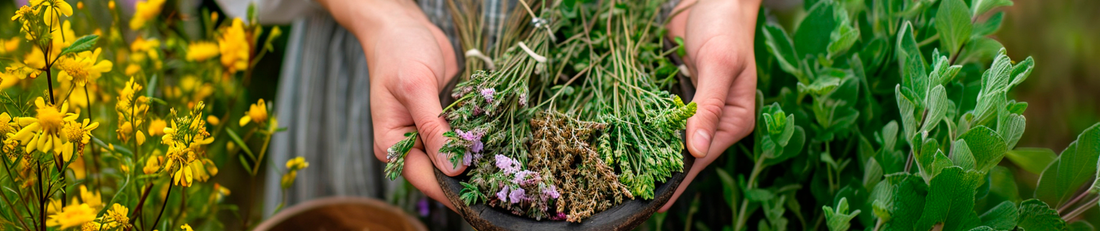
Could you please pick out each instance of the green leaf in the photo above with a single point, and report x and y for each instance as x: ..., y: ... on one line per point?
x: 988, y: 147
x: 81, y: 44
x: 809, y: 38
x: 843, y: 36
x: 1002, y: 183
x: 244, y: 163
x: 911, y: 61
x: 758, y: 195
x: 979, y: 50
x: 909, y: 202
x: 943, y: 72
x: 882, y: 197
x: 1038, y: 216
x: 1033, y: 160
x: 982, y: 6
x: 938, y: 105
x: 940, y: 163
x: 729, y: 188
x: 962, y: 156
x: 953, y: 24
x: 926, y: 157
x: 990, y: 25
x: 240, y: 143
x: 950, y: 201
x: 781, y: 47
x: 908, y: 108
x: 1071, y: 170
x: 1011, y: 128
x: 1080, y: 226
x: 839, y: 219
x: 1021, y: 71
x: 793, y: 147
x: 1001, y: 217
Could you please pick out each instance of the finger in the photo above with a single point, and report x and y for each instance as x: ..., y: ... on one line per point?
x: 699, y: 165
x: 418, y: 171
x: 419, y: 93
x: 738, y: 116
x: 716, y: 67
x: 390, y: 121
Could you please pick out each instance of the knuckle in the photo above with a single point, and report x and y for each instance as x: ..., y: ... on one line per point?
x: 414, y: 78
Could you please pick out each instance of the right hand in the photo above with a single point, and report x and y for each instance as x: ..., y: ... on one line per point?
x: 409, y: 60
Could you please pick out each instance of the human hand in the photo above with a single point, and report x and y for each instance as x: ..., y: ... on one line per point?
x: 718, y: 38
x: 409, y: 60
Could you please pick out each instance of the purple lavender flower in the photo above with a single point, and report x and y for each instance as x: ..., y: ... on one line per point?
x: 477, y: 146
x: 422, y: 206
x: 503, y: 194
x: 552, y: 192
x: 526, y: 177
x: 488, y: 94
x: 467, y: 158
x: 506, y: 164
x: 558, y: 217
x: 518, y: 195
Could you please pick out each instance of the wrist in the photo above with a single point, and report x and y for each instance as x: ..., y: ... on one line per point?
x: 369, y: 19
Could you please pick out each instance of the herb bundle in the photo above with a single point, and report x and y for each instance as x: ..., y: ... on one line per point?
x: 574, y: 134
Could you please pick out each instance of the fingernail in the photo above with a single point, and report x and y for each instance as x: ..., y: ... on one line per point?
x: 701, y: 143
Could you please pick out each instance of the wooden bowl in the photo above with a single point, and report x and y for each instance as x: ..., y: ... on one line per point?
x: 625, y: 216
x: 343, y: 213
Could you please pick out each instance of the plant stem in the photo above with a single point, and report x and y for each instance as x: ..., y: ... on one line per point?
x: 162, y: 206
x: 137, y: 209
x: 1084, y: 207
x: 1073, y: 201
x: 741, y: 216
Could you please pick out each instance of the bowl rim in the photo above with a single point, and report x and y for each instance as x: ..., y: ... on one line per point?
x: 624, y: 216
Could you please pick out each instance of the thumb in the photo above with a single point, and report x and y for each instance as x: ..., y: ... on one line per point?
x: 714, y: 80
x: 422, y: 101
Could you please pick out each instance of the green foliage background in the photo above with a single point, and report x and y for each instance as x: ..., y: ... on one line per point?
x: 851, y: 170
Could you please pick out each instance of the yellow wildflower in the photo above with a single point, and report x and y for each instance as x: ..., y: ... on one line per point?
x: 53, y: 8
x: 185, y: 158
x: 156, y: 127
x: 201, y: 51
x: 213, y: 120
x: 297, y: 163
x: 118, y: 215
x: 79, y: 134
x: 111, y: 5
x: 151, y: 165
x: 72, y: 216
x: 5, y: 124
x: 293, y: 165
x: 234, y: 47
x: 186, y: 227
x: 83, y: 67
x: 131, y: 108
x: 43, y: 132
x: 91, y: 226
x: 9, y: 45
x: 145, y: 11
x: 92, y: 199
x: 288, y: 179
x: 257, y: 113
x: 78, y: 168
x: 220, y: 192
x: 80, y: 5
x: 132, y: 69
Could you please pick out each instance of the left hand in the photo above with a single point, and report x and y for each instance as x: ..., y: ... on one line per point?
x: 718, y: 38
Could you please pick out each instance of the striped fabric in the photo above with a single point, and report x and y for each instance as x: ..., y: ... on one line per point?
x: 323, y: 99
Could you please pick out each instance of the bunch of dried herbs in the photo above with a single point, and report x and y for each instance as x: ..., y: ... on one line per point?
x: 571, y: 116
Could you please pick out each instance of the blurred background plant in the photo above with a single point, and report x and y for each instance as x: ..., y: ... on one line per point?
x: 133, y: 103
